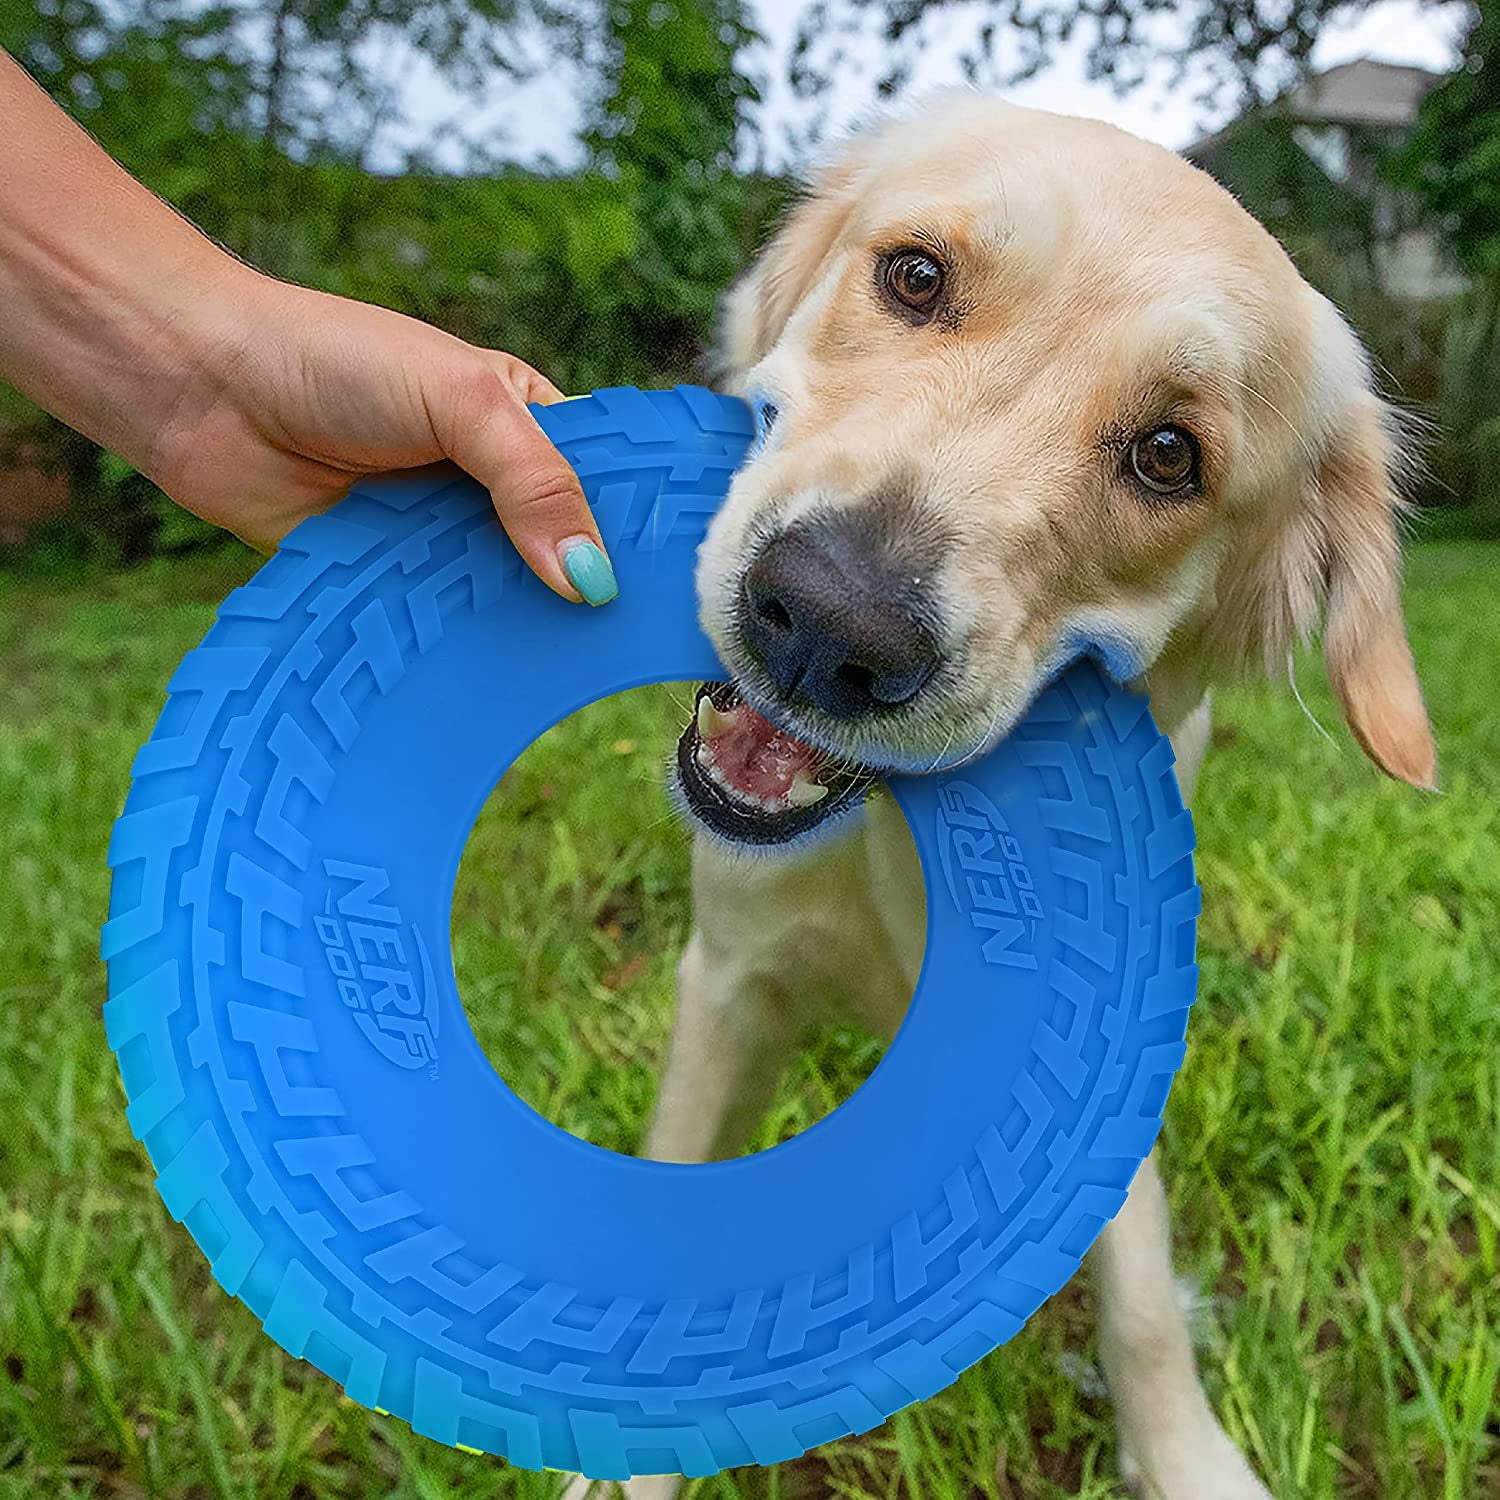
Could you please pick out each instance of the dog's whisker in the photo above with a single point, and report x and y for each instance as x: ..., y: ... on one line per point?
x: 1312, y: 718
x: 938, y: 758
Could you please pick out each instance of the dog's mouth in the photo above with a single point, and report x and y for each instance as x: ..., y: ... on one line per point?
x: 751, y: 782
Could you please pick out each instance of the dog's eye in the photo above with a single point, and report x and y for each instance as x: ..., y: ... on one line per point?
x: 1166, y: 459
x: 913, y: 278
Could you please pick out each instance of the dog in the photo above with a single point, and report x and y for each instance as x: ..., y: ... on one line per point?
x: 1025, y: 387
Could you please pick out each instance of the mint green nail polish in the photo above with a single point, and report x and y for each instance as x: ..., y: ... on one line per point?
x: 589, y: 572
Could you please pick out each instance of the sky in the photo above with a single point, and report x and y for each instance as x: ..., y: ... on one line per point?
x: 536, y: 122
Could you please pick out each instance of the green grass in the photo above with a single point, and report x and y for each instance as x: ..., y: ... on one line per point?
x: 1333, y: 1144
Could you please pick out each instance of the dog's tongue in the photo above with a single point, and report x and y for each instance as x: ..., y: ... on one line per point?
x: 755, y: 756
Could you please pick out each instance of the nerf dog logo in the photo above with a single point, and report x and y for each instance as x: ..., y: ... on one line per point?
x: 987, y: 875
x: 387, y: 985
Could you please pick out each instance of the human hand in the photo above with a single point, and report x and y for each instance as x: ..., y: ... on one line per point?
x: 297, y: 393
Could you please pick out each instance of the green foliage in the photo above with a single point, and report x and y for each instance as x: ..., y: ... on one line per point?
x: 1471, y: 379
x: 674, y: 101
x: 1436, y: 357
x: 282, y: 79
x: 1466, y: 453
x: 1453, y: 162
x: 1454, y: 155
x: 1244, y: 51
x: 665, y: 133
x: 147, y: 80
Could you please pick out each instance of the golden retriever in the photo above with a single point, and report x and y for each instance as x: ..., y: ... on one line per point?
x: 1027, y: 387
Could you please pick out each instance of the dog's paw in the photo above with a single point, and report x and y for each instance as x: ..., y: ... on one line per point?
x: 646, y: 1487
x: 1203, y: 1466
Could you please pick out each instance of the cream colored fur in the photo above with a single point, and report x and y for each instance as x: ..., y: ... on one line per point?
x: 1104, y: 279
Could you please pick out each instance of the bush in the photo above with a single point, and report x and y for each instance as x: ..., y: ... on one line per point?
x: 1467, y: 453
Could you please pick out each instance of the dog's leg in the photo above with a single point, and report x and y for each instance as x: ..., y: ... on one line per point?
x: 646, y: 1487
x: 780, y: 944
x: 1171, y: 1444
x: 730, y: 1041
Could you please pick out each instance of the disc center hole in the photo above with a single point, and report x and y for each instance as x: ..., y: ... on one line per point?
x: 571, y: 914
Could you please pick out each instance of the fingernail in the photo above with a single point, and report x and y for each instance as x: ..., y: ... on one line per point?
x: 588, y: 570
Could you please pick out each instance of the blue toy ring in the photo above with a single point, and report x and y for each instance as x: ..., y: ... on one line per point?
x: 300, y: 1069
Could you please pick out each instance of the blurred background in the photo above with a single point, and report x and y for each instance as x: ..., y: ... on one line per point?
x: 576, y: 181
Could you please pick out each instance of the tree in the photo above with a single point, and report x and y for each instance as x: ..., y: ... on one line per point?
x: 306, y: 77
x: 1453, y: 161
x: 1453, y: 158
x: 666, y: 131
x: 1245, y: 50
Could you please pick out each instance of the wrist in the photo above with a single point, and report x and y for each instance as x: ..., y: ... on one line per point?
x: 193, y: 337
x: 166, y: 345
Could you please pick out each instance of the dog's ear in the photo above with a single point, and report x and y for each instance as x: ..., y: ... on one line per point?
x: 1365, y: 649
x: 1331, y: 548
x: 761, y: 302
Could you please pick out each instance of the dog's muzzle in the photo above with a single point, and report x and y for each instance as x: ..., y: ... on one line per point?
x: 835, y: 624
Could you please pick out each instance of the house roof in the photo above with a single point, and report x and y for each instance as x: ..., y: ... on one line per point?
x: 1363, y: 92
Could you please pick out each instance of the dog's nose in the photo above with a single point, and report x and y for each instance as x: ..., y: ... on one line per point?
x: 838, y: 620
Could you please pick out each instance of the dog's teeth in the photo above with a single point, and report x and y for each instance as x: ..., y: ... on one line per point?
x: 713, y: 721
x: 804, y: 793
x: 716, y: 775
x: 704, y: 759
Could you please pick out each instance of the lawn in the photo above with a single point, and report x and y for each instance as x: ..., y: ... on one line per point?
x: 1333, y: 1142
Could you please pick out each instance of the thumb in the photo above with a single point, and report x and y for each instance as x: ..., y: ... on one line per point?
x: 536, y: 494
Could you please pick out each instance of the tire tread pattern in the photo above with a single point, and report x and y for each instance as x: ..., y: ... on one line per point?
x: 772, y: 1373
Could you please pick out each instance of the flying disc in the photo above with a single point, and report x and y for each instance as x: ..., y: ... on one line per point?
x: 300, y: 1069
